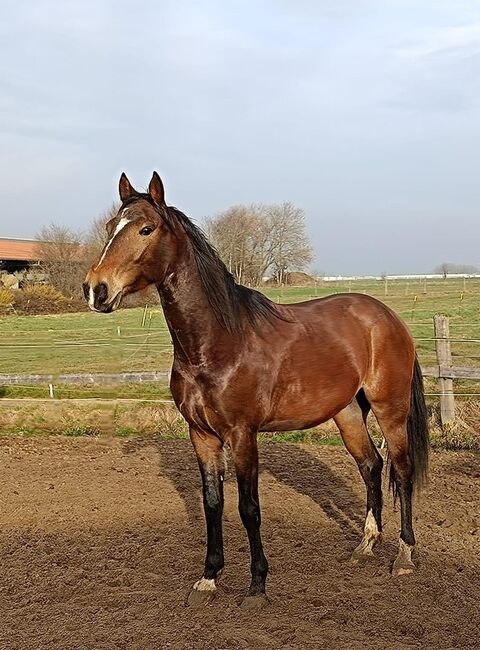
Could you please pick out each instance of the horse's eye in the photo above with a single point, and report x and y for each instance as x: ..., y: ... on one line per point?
x: 146, y: 230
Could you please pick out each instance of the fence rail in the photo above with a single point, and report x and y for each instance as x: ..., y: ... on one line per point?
x: 84, y: 378
x: 449, y: 372
x: 444, y: 372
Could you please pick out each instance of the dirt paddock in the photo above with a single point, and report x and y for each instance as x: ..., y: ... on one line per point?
x: 101, y: 539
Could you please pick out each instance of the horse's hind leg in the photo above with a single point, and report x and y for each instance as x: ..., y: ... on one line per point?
x: 352, y: 424
x: 393, y: 422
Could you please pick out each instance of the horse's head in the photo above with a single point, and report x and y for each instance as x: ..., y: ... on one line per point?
x: 141, y: 246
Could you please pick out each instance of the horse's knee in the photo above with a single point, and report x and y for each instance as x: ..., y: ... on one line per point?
x: 212, y: 499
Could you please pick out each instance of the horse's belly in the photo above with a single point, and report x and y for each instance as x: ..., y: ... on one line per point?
x: 303, y: 403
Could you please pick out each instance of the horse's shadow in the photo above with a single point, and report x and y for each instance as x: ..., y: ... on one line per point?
x: 302, y: 471
x: 290, y: 464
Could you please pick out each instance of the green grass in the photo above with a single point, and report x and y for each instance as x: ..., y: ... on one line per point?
x: 155, y: 420
x: 308, y: 436
x: 145, y: 391
x: 84, y: 342
x: 88, y: 342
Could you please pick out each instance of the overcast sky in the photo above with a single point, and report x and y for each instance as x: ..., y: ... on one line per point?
x: 363, y: 113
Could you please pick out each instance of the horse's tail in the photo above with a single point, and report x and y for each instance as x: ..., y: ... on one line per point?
x: 418, y: 436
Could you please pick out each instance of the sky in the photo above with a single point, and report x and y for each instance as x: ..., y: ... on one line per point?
x: 363, y: 113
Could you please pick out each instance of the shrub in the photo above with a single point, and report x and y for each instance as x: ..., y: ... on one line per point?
x: 43, y: 299
x: 7, y: 298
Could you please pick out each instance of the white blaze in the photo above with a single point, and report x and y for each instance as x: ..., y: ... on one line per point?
x: 120, y: 225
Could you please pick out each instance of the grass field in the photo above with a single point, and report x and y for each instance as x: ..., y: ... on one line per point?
x: 118, y: 342
x: 88, y: 342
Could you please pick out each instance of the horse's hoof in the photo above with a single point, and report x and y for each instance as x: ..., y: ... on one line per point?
x: 360, y: 557
x: 203, y: 592
x: 403, y: 564
x: 254, y: 603
x: 198, y: 598
x: 403, y: 568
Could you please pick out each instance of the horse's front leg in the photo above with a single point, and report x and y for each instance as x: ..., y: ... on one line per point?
x: 245, y: 455
x: 209, y: 451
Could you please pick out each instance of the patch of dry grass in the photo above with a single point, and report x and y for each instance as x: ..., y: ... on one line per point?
x: 147, y: 419
x: 55, y: 417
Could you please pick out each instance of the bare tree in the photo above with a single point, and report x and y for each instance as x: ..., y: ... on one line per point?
x: 62, y: 258
x: 290, y: 248
x: 254, y: 239
x: 240, y: 234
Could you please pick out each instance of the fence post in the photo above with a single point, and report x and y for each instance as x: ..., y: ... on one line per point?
x: 444, y: 360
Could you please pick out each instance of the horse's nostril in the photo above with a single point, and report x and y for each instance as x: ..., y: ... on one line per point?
x: 101, y: 293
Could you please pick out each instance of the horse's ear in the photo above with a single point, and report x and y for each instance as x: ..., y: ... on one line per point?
x: 156, y: 190
x: 125, y: 190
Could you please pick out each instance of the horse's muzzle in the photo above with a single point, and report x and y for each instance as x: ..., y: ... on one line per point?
x: 97, y: 297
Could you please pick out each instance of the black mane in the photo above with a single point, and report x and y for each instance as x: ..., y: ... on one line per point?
x: 228, y: 299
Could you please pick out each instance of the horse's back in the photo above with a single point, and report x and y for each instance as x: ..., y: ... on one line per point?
x: 340, y: 306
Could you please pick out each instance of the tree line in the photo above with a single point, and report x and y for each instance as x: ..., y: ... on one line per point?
x: 446, y: 268
x: 254, y: 241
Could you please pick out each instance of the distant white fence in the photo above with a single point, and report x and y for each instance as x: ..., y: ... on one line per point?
x: 416, y: 276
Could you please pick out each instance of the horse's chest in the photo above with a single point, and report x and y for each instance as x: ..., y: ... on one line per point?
x: 212, y: 401
x: 188, y: 394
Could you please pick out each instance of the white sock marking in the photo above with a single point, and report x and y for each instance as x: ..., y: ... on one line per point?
x: 204, y: 584
x: 371, y: 528
x: 120, y: 225
x: 405, y: 549
x: 370, y: 536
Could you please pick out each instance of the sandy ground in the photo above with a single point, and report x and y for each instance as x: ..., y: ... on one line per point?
x: 100, y: 541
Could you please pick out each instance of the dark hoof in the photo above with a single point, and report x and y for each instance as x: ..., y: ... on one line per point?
x: 254, y: 603
x: 198, y: 598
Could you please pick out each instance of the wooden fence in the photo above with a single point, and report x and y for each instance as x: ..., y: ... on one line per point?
x: 84, y: 379
x: 444, y: 372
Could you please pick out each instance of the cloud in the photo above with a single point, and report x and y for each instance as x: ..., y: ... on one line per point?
x: 359, y: 111
x: 461, y: 41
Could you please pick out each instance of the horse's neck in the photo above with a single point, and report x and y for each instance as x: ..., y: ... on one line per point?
x: 190, y: 318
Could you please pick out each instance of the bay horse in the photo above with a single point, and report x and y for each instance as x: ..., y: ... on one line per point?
x: 244, y: 364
